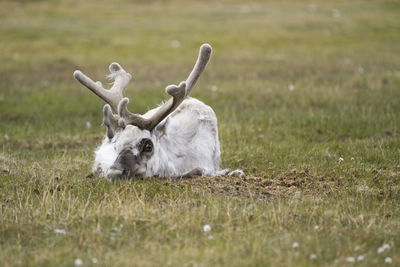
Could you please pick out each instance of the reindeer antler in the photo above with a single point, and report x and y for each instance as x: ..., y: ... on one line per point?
x: 199, y: 67
x: 112, y: 96
x: 178, y: 94
x: 115, y: 94
x: 117, y: 104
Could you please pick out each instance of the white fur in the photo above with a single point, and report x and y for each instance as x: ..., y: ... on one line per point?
x: 188, y: 140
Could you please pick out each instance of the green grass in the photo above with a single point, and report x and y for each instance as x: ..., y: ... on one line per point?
x: 345, y: 72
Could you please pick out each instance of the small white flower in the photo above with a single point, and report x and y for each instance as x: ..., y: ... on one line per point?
x: 316, y: 227
x: 205, y: 206
x: 341, y: 160
x: 356, y: 248
x: 350, y: 259
x: 360, y: 258
x: 60, y: 231
x: 206, y: 228
x: 336, y: 13
x: 295, y: 245
x: 211, y: 237
x: 351, y: 158
x: 383, y: 248
x: 291, y: 87
x: 94, y: 260
x: 388, y: 260
x: 313, y: 256
x: 361, y: 70
x: 88, y: 125
x: 214, y: 88
x: 78, y: 262
x: 175, y: 43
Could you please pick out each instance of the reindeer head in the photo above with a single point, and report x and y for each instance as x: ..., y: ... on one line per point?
x: 131, y: 139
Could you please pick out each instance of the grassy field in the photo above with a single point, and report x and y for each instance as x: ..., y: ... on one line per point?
x: 308, y: 100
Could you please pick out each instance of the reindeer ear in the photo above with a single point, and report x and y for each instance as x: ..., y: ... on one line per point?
x: 160, y: 129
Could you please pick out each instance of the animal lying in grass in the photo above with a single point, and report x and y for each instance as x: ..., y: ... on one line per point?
x: 177, y: 139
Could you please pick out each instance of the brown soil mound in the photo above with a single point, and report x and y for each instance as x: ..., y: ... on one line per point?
x: 290, y: 184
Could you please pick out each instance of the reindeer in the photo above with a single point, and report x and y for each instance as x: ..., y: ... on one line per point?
x: 177, y: 139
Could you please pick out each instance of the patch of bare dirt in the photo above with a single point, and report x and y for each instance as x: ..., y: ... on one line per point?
x: 290, y: 184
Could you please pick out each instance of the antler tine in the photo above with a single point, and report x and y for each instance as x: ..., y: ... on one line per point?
x: 110, y: 121
x: 178, y: 94
x: 112, y: 96
x: 199, y: 67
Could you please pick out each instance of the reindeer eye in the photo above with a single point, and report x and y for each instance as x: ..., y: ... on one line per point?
x: 148, y: 146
